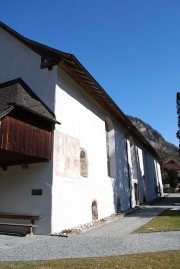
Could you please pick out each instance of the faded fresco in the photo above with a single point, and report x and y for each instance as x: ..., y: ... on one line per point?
x: 67, y: 155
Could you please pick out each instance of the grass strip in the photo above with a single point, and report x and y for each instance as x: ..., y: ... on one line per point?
x: 159, y: 260
x: 168, y: 220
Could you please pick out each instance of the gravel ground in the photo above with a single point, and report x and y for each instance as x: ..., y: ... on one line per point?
x: 114, y: 238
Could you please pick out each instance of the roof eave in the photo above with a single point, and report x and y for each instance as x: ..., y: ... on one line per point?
x: 35, y: 113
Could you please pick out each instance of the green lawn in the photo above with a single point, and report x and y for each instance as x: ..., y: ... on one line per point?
x: 168, y: 220
x: 159, y: 260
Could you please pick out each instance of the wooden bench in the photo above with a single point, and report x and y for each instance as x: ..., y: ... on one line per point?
x: 28, y: 226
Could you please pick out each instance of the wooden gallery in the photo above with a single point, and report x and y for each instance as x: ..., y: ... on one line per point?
x: 68, y: 154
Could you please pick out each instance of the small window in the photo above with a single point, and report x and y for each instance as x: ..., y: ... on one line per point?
x: 94, y: 209
x: 83, y: 163
x: 36, y: 192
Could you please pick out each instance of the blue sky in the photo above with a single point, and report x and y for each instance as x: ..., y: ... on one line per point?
x: 131, y: 47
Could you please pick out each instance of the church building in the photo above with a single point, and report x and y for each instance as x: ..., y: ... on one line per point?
x: 68, y: 154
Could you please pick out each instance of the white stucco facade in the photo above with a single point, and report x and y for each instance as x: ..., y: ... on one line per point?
x: 67, y: 196
x: 84, y: 120
x: 20, y: 61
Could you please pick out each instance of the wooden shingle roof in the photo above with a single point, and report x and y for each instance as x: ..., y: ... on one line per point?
x: 16, y: 93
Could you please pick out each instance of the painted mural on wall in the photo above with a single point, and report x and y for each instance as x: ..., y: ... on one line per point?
x: 67, y: 155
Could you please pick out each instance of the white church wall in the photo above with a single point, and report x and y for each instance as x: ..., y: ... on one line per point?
x: 110, y: 147
x: 150, y: 176
x: 141, y: 175
x: 147, y: 173
x: 130, y: 173
x: 122, y: 190
x: 16, y: 193
x: 20, y: 61
x: 159, y: 177
x: 82, y: 121
x: 133, y: 170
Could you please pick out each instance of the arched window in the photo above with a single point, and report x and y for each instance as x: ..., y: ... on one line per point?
x: 83, y: 163
x: 94, y: 209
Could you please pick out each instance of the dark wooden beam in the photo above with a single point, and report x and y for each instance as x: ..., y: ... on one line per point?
x: 48, y: 62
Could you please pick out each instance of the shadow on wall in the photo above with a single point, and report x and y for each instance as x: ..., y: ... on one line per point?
x: 121, y: 186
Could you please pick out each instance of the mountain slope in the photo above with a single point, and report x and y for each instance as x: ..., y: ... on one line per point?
x: 165, y: 149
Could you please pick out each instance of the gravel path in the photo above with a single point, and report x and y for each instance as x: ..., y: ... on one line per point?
x: 113, y: 238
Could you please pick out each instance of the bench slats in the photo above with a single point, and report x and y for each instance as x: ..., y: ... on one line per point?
x: 28, y: 226
x: 18, y: 224
x: 13, y: 216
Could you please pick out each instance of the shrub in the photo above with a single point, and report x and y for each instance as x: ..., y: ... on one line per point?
x: 172, y: 176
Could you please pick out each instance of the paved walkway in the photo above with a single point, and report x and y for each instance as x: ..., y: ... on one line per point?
x: 114, y: 238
